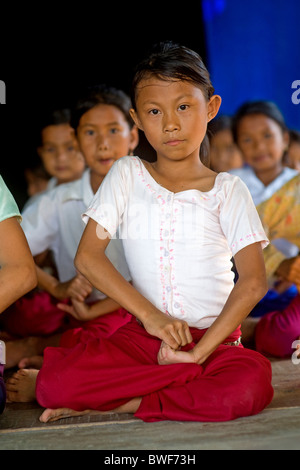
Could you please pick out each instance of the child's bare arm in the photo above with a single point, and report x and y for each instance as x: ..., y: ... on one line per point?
x: 289, y: 270
x: 84, y: 312
x: 92, y: 262
x: 77, y: 287
x: 17, y: 271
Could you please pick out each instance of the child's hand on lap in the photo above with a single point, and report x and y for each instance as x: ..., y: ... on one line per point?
x: 168, y: 355
x: 173, y: 332
x: 78, y: 310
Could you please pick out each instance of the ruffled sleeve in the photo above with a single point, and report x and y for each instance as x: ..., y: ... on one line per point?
x: 108, y: 205
x: 239, y: 218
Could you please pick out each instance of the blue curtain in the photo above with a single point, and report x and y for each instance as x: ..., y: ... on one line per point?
x: 253, y: 52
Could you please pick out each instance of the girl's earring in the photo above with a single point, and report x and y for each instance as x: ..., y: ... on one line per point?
x: 131, y: 153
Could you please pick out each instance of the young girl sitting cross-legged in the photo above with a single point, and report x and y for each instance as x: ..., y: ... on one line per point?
x: 180, y: 356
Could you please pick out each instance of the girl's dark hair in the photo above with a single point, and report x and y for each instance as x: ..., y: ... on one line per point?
x: 56, y: 117
x: 294, y: 136
x: 170, y: 61
x: 219, y: 124
x: 53, y: 117
x: 268, y: 108
x: 101, y: 94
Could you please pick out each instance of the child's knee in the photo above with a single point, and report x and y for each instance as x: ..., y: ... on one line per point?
x: 247, y: 377
x: 48, y: 389
x: 255, y: 384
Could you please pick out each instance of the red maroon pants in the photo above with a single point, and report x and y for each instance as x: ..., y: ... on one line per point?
x: 36, y: 314
x: 92, y: 372
x: 276, y: 331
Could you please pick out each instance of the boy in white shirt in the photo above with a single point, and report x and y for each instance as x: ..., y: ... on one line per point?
x: 53, y: 222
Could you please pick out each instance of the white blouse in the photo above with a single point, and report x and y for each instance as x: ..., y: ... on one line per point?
x: 260, y: 193
x: 178, y: 246
x: 53, y: 222
x: 258, y: 190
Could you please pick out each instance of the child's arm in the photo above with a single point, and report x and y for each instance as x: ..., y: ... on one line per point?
x: 17, y: 272
x: 248, y: 290
x: 92, y: 262
x: 84, y: 312
x: 289, y: 270
x: 77, y: 287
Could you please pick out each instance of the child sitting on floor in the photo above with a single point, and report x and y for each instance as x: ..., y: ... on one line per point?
x: 180, y: 223
x: 275, y: 332
x: 63, y: 161
x: 105, y: 133
x: 261, y: 134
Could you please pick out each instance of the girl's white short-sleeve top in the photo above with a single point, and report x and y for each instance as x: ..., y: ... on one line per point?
x: 178, y: 246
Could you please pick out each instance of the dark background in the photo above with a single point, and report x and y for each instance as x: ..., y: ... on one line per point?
x: 48, y: 52
x: 48, y: 57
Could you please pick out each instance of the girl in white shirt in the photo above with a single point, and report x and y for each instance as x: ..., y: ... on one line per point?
x: 180, y: 357
x: 53, y: 222
x: 261, y: 134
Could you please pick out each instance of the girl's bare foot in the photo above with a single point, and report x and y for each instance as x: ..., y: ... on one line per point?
x: 53, y: 415
x: 20, y: 387
x: 32, y: 362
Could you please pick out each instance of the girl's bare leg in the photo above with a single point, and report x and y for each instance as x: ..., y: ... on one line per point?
x: 20, y: 388
x: 53, y: 415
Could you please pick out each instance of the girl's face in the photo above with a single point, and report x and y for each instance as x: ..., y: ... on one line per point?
x: 262, y: 142
x: 60, y: 153
x: 104, y: 136
x: 174, y: 115
x: 224, y: 153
